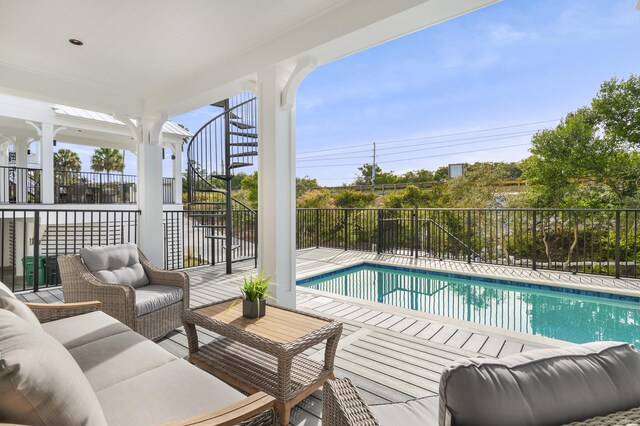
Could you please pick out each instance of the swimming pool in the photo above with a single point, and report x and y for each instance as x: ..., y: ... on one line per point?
x: 573, y: 315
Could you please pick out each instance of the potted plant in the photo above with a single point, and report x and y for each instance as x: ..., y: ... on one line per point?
x: 254, y: 296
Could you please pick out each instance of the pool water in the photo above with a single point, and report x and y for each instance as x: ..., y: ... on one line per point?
x: 565, y: 314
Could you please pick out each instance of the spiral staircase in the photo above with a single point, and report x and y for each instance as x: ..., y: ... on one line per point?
x: 225, y: 144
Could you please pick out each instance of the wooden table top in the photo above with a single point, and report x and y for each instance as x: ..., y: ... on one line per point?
x: 278, y: 325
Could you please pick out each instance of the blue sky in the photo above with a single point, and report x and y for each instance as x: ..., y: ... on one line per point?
x: 512, y: 63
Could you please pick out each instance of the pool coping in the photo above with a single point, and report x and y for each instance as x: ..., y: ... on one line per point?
x: 520, y: 283
x: 588, y: 289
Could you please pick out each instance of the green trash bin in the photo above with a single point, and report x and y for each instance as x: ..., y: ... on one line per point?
x: 27, y: 263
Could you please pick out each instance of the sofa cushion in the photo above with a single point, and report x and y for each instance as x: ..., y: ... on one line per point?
x: 40, y: 383
x: 118, y: 357
x: 150, y: 298
x: 12, y: 304
x: 542, y: 387
x: 417, y: 412
x: 82, y: 329
x: 174, y: 391
x: 6, y: 291
x: 116, y: 264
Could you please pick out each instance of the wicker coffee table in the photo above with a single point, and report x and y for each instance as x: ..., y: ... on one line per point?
x: 265, y: 354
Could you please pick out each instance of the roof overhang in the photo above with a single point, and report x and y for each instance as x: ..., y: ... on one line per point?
x: 127, y: 64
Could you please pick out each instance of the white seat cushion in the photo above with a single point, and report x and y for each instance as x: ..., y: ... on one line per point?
x: 116, y: 264
x: 150, y: 298
x: 82, y: 329
x: 119, y: 357
x: 174, y: 391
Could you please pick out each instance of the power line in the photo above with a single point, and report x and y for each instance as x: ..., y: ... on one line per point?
x: 413, y: 150
x: 368, y: 151
x: 436, y: 136
x: 420, y: 158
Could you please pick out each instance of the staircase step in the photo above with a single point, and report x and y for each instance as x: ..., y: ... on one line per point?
x: 250, y: 144
x: 241, y: 125
x: 207, y: 215
x: 245, y: 135
x: 245, y: 154
x: 216, y: 237
x: 238, y: 165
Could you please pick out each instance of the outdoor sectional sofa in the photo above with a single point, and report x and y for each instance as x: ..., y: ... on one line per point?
x: 71, y: 364
x: 598, y: 381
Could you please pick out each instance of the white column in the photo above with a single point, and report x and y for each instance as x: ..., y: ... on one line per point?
x: 46, y: 162
x: 177, y: 173
x: 21, y: 146
x: 149, y: 189
x: 4, y: 174
x: 276, y: 187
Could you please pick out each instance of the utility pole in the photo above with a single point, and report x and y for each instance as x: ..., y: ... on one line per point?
x: 373, y: 168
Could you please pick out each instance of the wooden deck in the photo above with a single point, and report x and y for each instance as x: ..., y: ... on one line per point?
x: 391, y: 355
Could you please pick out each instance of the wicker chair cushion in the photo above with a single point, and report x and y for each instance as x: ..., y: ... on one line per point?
x: 40, y: 383
x: 174, y: 391
x: 116, y: 264
x: 6, y: 291
x: 150, y: 298
x: 417, y: 412
x: 12, y: 304
x: 542, y: 387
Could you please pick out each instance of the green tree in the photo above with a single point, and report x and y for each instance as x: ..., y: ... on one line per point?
x: 408, y: 197
x: 66, y: 160
x: 347, y: 198
x: 316, y: 199
x: 381, y: 177
x: 306, y: 183
x: 108, y: 160
x: 250, y: 189
x: 416, y: 176
x: 478, y: 186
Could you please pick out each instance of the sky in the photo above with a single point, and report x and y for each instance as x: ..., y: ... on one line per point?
x: 428, y: 98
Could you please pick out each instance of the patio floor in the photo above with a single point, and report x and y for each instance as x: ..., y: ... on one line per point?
x: 390, y: 354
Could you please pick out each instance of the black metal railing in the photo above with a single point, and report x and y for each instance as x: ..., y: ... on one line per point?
x: 192, y: 237
x: 102, y: 188
x: 94, y: 188
x: 603, y: 242
x: 33, y: 239
x: 19, y: 185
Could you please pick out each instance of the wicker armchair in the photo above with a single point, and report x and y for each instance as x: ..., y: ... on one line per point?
x: 119, y: 300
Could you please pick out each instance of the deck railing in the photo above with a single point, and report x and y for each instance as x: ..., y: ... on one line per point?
x: 33, y: 239
x: 603, y: 242
x: 190, y: 236
x: 19, y: 185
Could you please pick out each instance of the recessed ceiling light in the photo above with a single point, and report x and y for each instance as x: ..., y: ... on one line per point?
x: 75, y: 42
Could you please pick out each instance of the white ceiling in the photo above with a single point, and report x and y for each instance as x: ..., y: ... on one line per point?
x: 142, y: 56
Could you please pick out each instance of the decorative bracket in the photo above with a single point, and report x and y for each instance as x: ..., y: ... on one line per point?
x: 35, y: 126
x: 303, y: 68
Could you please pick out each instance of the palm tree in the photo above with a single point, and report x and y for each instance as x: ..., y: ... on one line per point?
x: 66, y: 160
x: 108, y: 160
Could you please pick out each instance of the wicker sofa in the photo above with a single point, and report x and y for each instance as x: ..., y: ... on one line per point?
x: 599, y: 382
x: 73, y: 364
x: 147, y: 299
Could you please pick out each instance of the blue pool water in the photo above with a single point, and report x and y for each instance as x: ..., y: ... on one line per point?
x: 566, y: 314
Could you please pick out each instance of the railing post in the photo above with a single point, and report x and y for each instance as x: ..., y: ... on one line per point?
x: 379, y: 248
x: 36, y: 249
x: 317, y: 228
x: 469, y: 236
x: 429, y: 236
x: 618, y: 244
x: 533, y: 240
x: 346, y: 229
x: 414, y: 216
